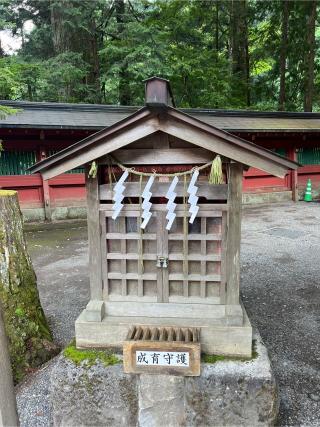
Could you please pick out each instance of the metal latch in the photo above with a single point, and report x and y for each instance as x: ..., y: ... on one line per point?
x: 162, y: 262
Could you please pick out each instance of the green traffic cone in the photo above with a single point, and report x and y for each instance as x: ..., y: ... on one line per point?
x: 307, y: 194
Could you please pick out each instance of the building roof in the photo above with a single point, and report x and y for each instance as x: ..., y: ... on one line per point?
x: 50, y: 115
x: 171, y: 121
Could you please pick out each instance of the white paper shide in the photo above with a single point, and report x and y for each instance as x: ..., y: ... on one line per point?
x: 171, y: 206
x: 118, y: 195
x: 146, y: 204
x: 193, y: 199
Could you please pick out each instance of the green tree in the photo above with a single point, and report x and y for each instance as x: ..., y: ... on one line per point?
x: 217, y: 53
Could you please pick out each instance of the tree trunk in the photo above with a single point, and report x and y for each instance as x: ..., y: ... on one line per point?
x: 124, y: 78
x: 217, y: 26
x: 1, y: 50
x: 30, y: 340
x: 310, y: 53
x: 8, y: 407
x: 283, y: 54
x: 91, y: 56
x: 60, y: 35
x: 239, y: 50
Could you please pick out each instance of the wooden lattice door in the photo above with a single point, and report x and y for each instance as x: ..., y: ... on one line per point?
x: 130, y: 272
x: 176, y: 268
x: 196, y: 270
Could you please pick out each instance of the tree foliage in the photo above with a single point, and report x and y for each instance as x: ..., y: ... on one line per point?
x: 217, y: 54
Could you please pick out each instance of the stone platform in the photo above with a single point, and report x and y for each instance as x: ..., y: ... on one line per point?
x: 228, y: 392
x: 229, y: 335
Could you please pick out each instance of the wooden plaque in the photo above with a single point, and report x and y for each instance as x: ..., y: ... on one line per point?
x: 170, y: 357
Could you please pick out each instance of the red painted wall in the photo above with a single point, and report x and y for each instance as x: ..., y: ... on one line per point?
x: 256, y: 180
x: 69, y: 190
x: 64, y: 190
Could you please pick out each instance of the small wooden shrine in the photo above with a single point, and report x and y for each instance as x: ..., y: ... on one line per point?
x: 164, y: 243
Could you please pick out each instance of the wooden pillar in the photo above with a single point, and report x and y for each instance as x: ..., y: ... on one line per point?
x: 234, y: 233
x: 95, y: 307
x: 47, y: 200
x: 8, y: 408
x: 45, y: 185
x: 292, y: 155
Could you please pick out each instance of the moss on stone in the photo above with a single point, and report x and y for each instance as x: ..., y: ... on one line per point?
x: 89, y: 357
x: 5, y: 193
x: 213, y: 358
x: 30, y: 340
x: 255, y: 353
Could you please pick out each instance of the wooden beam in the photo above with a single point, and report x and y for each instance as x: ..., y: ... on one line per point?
x: 173, y: 156
x: 233, y: 140
x: 46, y: 199
x: 159, y: 189
x: 103, y: 147
x: 95, y: 261
x: 212, y: 209
x: 42, y: 154
x: 104, y: 256
x: 292, y: 155
x: 201, y: 138
x: 234, y: 234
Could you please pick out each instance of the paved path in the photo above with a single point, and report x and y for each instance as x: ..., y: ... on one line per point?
x: 280, y: 289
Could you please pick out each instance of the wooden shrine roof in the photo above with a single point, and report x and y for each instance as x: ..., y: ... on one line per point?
x: 171, y: 121
x: 50, y: 115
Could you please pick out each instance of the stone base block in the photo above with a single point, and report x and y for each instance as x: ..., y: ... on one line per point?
x: 57, y: 213
x: 228, y: 392
x: 251, y: 198
x: 94, y: 311
x: 215, y: 338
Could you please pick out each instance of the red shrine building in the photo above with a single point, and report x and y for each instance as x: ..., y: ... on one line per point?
x: 40, y: 129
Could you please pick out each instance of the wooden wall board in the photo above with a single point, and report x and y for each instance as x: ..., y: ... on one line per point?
x: 214, y: 209
x: 159, y: 189
x: 170, y: 156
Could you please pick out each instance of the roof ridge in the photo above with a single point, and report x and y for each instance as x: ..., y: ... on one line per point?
x: 132, y: 108
x: 68, y: 106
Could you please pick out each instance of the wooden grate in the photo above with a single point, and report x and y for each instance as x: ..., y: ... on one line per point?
x: 167, y: 334
x: 195, y: 270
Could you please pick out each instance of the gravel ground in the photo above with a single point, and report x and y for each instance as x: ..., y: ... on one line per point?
x: 280, y: 289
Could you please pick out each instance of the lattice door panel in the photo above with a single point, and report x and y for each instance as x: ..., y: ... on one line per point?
x: 193, y: 268
x: 195, y: 259
x: 126, y: 278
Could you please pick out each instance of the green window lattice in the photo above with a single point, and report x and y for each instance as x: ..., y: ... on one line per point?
x: 16, y: 162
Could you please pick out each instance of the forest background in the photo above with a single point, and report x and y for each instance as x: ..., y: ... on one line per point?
x: 246, y: 54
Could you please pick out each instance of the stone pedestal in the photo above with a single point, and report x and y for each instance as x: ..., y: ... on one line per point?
x: 230, y: 335
x: 228, y: 392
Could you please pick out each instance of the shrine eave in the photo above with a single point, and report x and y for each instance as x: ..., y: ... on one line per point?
x: 147, y: 121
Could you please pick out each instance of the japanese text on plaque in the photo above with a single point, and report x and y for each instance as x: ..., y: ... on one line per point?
x: 162, y: 358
